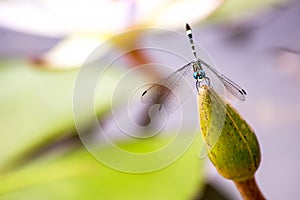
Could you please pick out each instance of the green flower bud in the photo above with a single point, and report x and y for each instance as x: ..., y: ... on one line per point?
x: 230, y: 142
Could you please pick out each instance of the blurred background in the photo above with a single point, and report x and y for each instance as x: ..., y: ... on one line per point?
x: 43, y: 45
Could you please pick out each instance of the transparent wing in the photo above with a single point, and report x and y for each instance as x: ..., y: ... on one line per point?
x: 234, y: 89
x: 171, y: 91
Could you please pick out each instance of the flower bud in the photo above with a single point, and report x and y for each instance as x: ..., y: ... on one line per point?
x: 230, y: 142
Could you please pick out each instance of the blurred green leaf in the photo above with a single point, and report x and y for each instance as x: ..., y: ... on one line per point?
x: 78, y: 175
x: 235, y: 9
x: 36, y: 107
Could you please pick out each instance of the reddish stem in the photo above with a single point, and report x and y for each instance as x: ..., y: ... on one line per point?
x: 249, y: 190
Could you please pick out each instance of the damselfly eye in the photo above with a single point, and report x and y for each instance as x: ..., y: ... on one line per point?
x: 198, y: 75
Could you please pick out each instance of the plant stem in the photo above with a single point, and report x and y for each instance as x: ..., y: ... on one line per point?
x: 249, y: 189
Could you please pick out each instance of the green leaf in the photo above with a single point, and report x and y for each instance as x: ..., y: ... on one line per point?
x: 78, y: 175
x: 235, y: 9
x: 36, y: 107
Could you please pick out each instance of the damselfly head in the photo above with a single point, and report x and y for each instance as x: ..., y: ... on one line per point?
x: 199, y: 75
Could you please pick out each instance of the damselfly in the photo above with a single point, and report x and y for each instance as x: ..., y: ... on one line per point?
x: 163, y: 92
